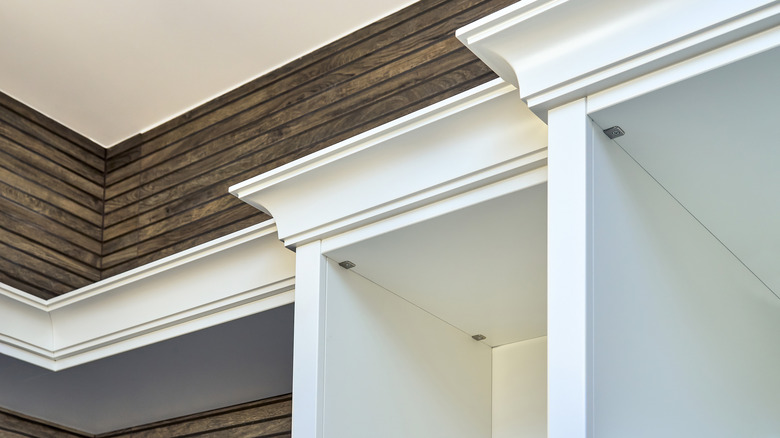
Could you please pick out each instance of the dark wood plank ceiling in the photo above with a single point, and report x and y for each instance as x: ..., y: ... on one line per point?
x: 166, y: 190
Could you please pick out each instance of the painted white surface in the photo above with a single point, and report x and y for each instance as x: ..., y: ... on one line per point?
x: 685, y: 69
x: 237, y: 275
x: 569, y: 224
x: 685, y: 337
x: 483, y: 135
x: 606, y: 42
x: 309, y: 353
x: 25, y: 331
x: 481, y: 268
x: 717, y: 153
x: 242, y: 360
x: 520, y: 389
x: 110, y: 70
x: 235, y: 271
x: 393, y: 370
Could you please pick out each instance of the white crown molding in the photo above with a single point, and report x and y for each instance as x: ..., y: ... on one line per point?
x: 237, y: 275
x: 462, y: 143
x: 557, y: 51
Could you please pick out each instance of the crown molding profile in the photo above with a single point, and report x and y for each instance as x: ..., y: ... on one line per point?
x: 454, y: 151
x: 414, y: 168
x: 607, y: 43
x: 241, y: 274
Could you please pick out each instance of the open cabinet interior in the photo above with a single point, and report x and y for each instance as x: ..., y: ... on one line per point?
x: 686, y: 314
x: 400, y: 359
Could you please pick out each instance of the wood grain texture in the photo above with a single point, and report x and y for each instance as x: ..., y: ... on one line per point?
x: 72, y: 212
x: 167, y: 186
x: 13, y: 425
x: 270, y: 417
x: 51, y: 203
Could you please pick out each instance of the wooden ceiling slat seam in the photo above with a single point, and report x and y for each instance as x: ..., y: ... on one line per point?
x: 68, y: 191
x: 17, y: 170
x: 72, y: 265
x: 56, y: 244
x: 47, y: 165
x: 158, y: 251
x: 27, y: 217
x: 48, y: 270
x: 52, y: 286
x: 28, y: 127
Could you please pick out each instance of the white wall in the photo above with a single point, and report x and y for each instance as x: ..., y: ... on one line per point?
x: 394, y: 370
x: 520, y: 389
x: 686, y: 340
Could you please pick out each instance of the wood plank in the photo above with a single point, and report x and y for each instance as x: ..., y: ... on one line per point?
x: 24, y: 286
x: 344, y: 66
x: 171, y: 223
x: 15, y: 223
x: 23, y: 425
x: 124, y: 157
x: 210, y: 421
x: 24, y: 127
x: 52, y: 257
x: 182, y: 238
x: 272, y: 129
x: 37, y: 223
x: 268, y: 428
x: 40, y: 156
x: 45, y: 269
x: 145, y: 251
x: 50, y: 286
x: 49, y: 211
x: 54, y: 184
x: 52, y: 125
x: 123, y: 147
x: 126, y: 258
x: 294, y: 67
x: 197, y: 190
x: 165, y: 190
x: 331, y: 91
x: 45, y: 194
x: 244, y: 221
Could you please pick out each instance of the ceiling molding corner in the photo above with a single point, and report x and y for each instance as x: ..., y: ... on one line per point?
x: 557, y: 51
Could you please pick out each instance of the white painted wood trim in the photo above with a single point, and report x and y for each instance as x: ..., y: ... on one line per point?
x: 744, y: 48
x: 607, y: 42
x: 532, y: 174
x: 370, y: 138
x: 470, y: 140
x: 309, y: 345
x: 170, y: 262
x: 249, y: 303
x: 41, y: 332
x: 569, y: 272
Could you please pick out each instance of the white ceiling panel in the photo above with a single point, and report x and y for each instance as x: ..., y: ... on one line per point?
x: 483, y: 269
x: 111, y: 69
